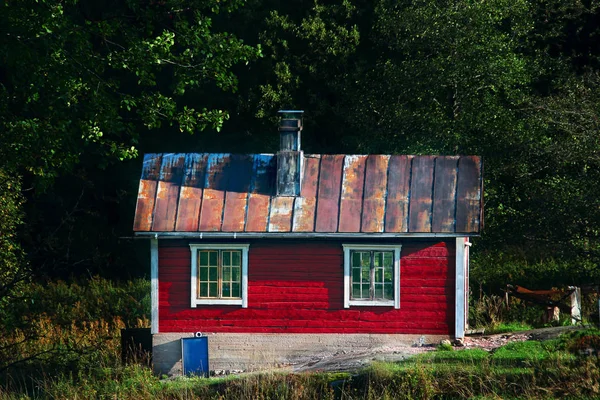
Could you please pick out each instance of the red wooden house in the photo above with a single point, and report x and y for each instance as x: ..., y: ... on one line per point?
x: 279, y: 256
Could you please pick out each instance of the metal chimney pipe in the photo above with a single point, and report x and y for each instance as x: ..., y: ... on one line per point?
x: 290, y: 155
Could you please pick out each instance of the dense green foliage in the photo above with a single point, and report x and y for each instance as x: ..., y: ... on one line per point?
x: 57, y: 328
x: 87, y: 86
x: 515, y: 82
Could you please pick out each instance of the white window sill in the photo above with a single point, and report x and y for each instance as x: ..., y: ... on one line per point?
x: 368, y: 303
x: 212, y: 302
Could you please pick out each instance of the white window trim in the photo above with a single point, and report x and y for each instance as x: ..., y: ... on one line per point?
x: 347, y: 301
x: 239, y: 302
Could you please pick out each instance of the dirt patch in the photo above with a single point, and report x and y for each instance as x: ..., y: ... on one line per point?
x: 355, y: 360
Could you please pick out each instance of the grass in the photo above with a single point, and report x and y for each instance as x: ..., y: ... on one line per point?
x: 518, y: 370
x: 506, y: 327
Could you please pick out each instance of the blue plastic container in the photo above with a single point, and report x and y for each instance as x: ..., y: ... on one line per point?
x: 194, y: 355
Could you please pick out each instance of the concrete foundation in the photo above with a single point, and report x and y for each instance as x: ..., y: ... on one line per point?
x: 254, y: 351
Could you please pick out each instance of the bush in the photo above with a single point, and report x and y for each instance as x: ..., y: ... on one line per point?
x: 66, y: 328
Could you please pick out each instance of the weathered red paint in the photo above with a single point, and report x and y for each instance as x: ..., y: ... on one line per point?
x: 329, y: 193
x: 353, y: 183
x: 167, y: 192
x: 297, y: 287
x: 147, y: 193
x: 190, y: 196
x: 396, y: 217
x: 340, y: 194
x: 236, y: 196
x: 305, y: 206
x: 280, y: 219
x: 444, y: 204
x: 259, y: 198
x: 374, y: 196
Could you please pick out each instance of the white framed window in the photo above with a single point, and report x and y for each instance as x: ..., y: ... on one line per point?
x: 371, y: 275
x: 219, y: 274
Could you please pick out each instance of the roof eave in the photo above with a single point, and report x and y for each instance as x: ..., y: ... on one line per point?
x: 300, y: 235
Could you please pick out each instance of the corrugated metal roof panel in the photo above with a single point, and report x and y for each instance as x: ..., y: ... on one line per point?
x: 340, y: 194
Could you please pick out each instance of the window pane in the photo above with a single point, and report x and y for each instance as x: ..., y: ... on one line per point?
x: 366, y: 272
x: 236, y: 258
x: 389, y: 275
x: 389, y: 291
x: 203, y: 259
x: 388, y: 259
x: 235, y: 274
x: 203, y: 289
x: 226, y: 258
x: 356, y: 275
x: 212, y: 289
x: 365, y: 259
x: 355, y: 259
x: 226, y: 289
x: 235, y: 290
x: 204, y: 274
x: 226, y: 274
x: 213, y: 273
x: 379, y: 275
x: 356, y: 291
x: 213, y: 258
x: 378, y: 291
x: 365, y: 291
x: 377, y: 259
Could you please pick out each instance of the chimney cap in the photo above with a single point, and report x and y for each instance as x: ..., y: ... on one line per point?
x: 290, y: 113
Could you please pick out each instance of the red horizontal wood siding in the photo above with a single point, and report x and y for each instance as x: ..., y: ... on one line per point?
x: 297, y: 287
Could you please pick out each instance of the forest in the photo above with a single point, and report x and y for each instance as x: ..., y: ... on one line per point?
x: 87, y: 87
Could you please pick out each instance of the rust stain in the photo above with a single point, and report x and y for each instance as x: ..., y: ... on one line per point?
x: 236, y: 197
x: 376, y: 193
x: 145, y: 205
x: 261, y: 189
x: 421, y: 194
x: 305, y: 205
x: 398, y: 186
x: 167, y: 194
x: 214, y: 193
x: 190, y: 196
x: 444, y: 194
x: 374, y: 198
x: 280, y: 219
x: 329, y: 193
x: 353, y: 182
x: 468, y: 195
x: 147, y: 192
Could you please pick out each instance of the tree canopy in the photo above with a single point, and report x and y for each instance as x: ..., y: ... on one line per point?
x: 86, y: 83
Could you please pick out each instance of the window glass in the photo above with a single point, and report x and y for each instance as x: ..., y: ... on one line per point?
x: 219, y: 274
x: 372, y: 275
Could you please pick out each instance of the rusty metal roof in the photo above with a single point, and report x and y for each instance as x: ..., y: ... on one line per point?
x: 340, y: 194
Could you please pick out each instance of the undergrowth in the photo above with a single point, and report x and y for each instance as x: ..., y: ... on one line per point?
x: 67, y: 346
